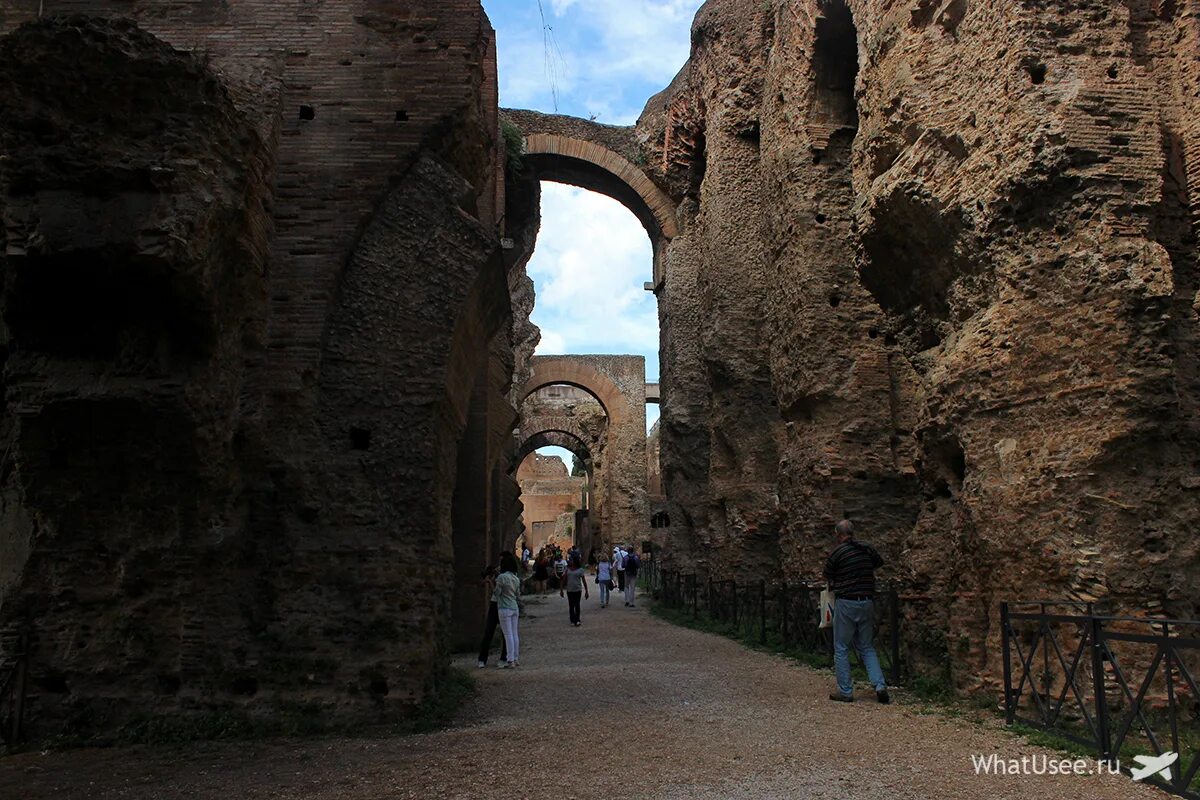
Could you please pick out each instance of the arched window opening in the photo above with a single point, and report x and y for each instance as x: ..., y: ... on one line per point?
x: 835, y: 65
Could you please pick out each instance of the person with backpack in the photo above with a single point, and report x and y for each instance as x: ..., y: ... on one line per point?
x: 618, y: 563
x: 575, y: 584
x: 850, y: 570
x: 604, y: 579
x: 632, y: 564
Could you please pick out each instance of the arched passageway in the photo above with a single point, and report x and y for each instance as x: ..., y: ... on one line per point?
x: 619, y: 384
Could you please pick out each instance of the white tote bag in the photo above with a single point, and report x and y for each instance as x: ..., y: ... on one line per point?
x: 827, y: 600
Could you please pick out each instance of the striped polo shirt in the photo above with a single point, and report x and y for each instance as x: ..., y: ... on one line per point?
x: 850, y: 569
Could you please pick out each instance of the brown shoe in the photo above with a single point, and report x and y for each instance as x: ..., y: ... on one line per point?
x: 840, y: 698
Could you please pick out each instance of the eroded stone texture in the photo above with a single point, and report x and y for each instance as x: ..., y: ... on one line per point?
x: 618, y: 383
x: 258, y: 356
x: 548, y: 492
x: 969, y: 229
x: 568, y: 417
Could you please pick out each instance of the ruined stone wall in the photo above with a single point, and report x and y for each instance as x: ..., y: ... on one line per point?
x: 254, y: 301
x: 618, y: 383
x: 547, y: 492
x: 654, y: 488
x: 971, y: 231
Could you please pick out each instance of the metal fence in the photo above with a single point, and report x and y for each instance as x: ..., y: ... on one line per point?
x: 786, y: 613
x: 14, y: 673
x: 1120, y: 686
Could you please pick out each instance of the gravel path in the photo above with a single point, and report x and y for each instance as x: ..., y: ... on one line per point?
x: 626, y: 706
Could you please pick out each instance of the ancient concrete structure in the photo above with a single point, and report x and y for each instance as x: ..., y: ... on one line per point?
x: 568, y: 417
x: 258, y: 346
x: 936, y: 270
x: 618, y: 383
x: 549, y: 491
x: 930, y: 264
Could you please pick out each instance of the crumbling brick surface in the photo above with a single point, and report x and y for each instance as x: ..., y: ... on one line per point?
x: 256, y: 314
x: 970, y: 235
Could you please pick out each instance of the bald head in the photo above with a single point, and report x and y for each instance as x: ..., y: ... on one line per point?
x: 844, y: 529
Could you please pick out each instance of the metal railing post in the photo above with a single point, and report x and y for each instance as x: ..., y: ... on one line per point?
x: 1009, y: 711
x: 21, y: 676
x: 783, y: 613
x: 1103, y: 736
x: 762, y: 612
x: 733, y: 584
x: 894, y: 624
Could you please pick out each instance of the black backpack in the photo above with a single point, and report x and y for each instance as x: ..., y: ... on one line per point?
x: 632, y: 562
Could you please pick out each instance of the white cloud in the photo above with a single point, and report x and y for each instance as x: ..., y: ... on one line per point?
x: 611, y: 55
x: 551, y: 343
x: 605, y: 58
x: 591, y: 261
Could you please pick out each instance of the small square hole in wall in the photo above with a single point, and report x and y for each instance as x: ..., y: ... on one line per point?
x: 401, y: 116
x: 307, y: 112
x: 360, y: 438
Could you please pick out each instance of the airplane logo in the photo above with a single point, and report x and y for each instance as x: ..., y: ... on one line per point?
x: 1152, y: 764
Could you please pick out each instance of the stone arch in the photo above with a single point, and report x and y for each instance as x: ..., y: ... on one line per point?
x: 619, y: 384
x: 552, y: 437
x: 589, y: 165
x: 578, y: 372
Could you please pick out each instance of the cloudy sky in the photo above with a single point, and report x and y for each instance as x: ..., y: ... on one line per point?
x: 601, y: 59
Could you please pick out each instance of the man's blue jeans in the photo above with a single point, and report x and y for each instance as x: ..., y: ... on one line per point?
x: 853, y: 626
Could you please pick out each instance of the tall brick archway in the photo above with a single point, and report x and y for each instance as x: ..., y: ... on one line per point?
x: 600, y: 158
x: 619, y: 384
x: 580, y: 162
x: 559, y: 430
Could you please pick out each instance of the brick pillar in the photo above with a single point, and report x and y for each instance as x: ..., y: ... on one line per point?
x: 470, y: 512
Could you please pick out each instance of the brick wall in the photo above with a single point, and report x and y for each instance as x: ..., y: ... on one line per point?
x: 306, y: 572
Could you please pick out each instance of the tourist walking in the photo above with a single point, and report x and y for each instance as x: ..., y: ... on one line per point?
x: 541, y: 573
x: 560, y: 571
x: 632, y: 564
x: 850, y: 570
x: 576, y: 585
x: 619, y: 566
x: 604, y: 579
x: 507, y: 595
x: 493, y: 620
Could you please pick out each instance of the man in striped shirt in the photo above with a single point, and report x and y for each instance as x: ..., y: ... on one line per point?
x: 850, y: 570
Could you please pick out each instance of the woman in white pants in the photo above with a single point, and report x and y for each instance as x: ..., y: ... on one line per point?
x: 507, y: 595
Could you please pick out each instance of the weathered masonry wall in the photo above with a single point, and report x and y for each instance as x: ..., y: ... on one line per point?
x: 619, y: 385
x: 258, y: 352
x: 937, y: 272
x: 548, y: 492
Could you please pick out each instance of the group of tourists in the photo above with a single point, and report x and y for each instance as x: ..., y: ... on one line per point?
x: 849, y: 572
x: 549, y: 567
x: 566, y: 572
x: 621, y: 569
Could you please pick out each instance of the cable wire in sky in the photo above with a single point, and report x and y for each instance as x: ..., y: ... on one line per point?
x: 553, y: 56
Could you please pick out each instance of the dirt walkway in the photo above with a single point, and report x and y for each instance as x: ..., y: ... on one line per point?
x: 626, y: 706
